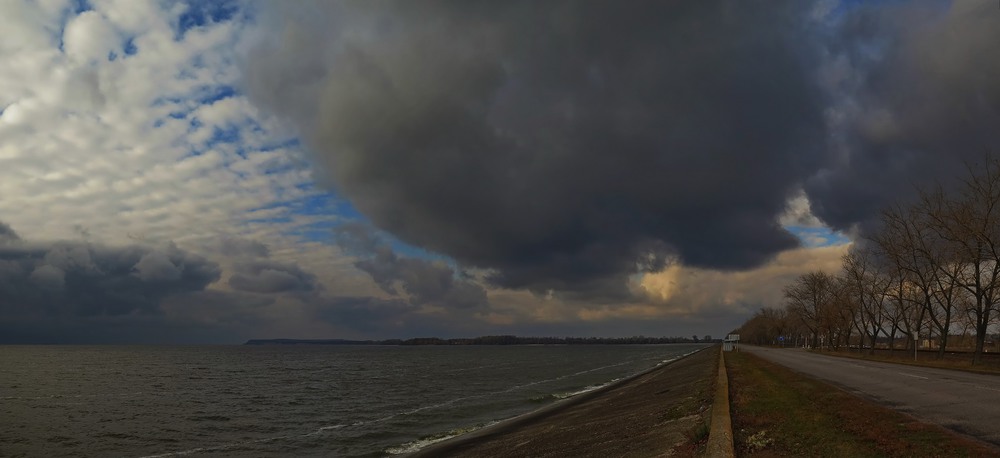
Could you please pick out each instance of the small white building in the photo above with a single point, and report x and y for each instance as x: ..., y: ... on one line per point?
x: 731, y: 343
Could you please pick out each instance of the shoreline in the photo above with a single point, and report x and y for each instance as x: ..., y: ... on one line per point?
x: 524, y: 422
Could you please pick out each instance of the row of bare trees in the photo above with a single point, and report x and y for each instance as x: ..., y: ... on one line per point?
x: 931, y: 269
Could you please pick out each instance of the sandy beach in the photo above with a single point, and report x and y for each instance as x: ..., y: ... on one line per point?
x: 648, y: 415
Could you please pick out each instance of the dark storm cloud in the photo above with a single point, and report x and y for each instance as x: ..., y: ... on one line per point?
x: 564, y: 145
x: 919, y: 87
x: 266, y: 276
x: 121, y: 329
x: 366, y: 314
x: 79, y: 279
x: 254, y: 271
x: 7, y: 235
x: 424, y: 281
x: 241, y: 247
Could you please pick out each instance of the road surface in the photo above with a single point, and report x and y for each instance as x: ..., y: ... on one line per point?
x: 966, y: 402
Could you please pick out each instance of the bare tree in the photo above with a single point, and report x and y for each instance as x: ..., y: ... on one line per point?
x: 968, y: 224
x: 846, y: 310
x: 932, y: 265
x: 947, y: 295
x: 906, y: 242
x: 809, y: 297
x: 765, y: 327
x: 870, y: 287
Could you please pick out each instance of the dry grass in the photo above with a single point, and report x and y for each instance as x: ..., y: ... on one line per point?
x: 777, y: 412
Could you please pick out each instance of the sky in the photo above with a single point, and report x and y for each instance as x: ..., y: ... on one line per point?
x: 211, y: 172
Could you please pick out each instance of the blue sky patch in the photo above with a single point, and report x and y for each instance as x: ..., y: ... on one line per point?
x: 214, y: 94
x: 79, y: 6
x: 219, y: 135
x: 202, y: 12
x: 813, y: 237
x: 129, y: 47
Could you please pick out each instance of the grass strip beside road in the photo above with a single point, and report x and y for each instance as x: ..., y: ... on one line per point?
x: 925, y: 359
x: 777, y: 412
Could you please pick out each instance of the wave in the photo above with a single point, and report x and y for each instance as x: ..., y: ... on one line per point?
x: 537, y: 382
x: 566, y: 395
x: 73, y: 396
x: 413, y: 446
x: 482, y: 395
x: 418, y: 444
x: 424, y: 442
x: 558, y: 396
x: 232, y: 445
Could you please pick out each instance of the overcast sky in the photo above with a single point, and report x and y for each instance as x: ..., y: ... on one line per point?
x: 185, y: 172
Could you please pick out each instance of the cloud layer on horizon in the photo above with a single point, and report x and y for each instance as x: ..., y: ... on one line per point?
x: 76, y: 282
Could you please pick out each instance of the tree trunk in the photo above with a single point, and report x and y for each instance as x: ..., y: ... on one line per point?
x: 874, y: 336
x: 981, y: 328
x: 942, y: 344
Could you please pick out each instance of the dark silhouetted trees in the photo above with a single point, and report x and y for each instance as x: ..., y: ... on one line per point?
x: 932, y: 268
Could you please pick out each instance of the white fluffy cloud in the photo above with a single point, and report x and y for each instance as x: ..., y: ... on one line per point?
x: 119, y: 124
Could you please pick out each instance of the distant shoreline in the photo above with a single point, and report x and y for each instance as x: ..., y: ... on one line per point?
x: 492, y: 340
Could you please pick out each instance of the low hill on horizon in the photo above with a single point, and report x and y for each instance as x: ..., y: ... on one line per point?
x: 493, y: 340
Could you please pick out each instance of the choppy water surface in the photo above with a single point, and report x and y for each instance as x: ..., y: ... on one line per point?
x: 284, y: 400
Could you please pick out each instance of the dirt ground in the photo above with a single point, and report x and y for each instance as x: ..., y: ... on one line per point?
x: 646, y: 416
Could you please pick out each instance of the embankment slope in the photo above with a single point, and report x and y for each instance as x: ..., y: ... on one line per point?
x: 645, y: 416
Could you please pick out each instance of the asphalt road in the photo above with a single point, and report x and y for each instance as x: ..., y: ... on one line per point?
x: 966, y: 402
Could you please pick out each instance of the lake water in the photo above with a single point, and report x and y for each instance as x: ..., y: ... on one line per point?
x: 285, y: 400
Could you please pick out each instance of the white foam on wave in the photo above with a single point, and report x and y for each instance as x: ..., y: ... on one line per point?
x: 413, y: 446
x: 231, y: 445
x: 518, y: 387
x: 482, y: 395
x: 586, y: 389
x: 328, y: 428
x: 613, y: 381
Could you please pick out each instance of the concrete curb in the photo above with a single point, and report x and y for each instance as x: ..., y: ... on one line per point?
x: 720, y: 434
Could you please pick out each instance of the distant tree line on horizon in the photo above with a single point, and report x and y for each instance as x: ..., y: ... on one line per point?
x: 931, y: 270
x: 492, y: 340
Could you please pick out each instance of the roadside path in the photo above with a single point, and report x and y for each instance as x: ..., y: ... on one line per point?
x: 966, y: 402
